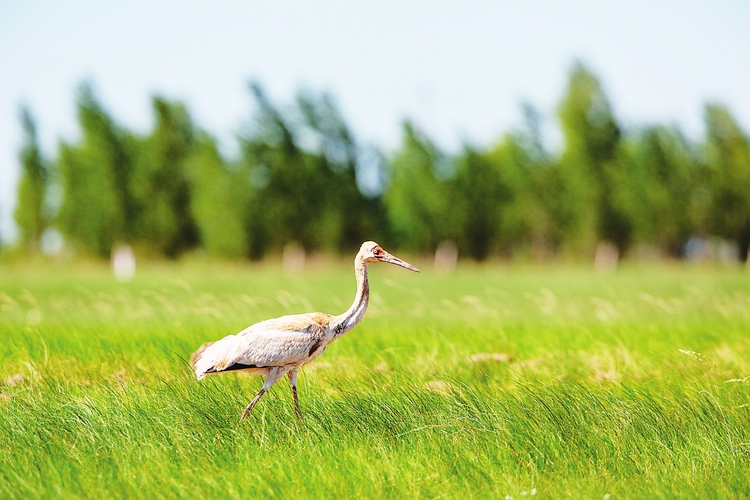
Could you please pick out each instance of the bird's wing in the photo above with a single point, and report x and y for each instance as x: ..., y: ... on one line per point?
x: 276, y: 347
x: 264, y: 344
x: 294, y: 323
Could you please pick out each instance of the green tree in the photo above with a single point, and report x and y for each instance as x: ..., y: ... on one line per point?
x: 302, y: 172
x: 656, y: 176
x: 591, y: 139
x: 477, y: 196
x: 31, y: 213
x: 530, y: 190
x: 416, y: 200
x: 353, y: 217
x: 160, y: 182
x: 727, y: 153
x: 218, y: 201
x: 286, y: 197
x: 97, y: 209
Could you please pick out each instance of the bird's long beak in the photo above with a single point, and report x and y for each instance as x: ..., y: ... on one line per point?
x: 392, y: 259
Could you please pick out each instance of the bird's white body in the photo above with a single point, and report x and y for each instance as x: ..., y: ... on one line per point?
x: 277, y: 347
x: 287, y: 342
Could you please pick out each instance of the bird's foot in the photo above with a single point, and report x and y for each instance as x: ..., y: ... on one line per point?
x: 245, y: 414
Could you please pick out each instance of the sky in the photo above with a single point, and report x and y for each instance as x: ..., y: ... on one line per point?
x: 459, y: 70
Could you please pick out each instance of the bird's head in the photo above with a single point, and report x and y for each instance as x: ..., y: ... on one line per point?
x: 372, y: 252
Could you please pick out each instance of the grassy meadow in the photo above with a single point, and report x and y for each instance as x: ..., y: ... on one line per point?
x: 491, y: 382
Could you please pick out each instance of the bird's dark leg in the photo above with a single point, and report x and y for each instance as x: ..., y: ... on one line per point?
x: 292, y: 375
x: 252, y: 404
x: 273, y: 376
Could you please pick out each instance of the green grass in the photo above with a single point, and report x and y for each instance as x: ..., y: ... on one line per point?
x: 627, y: 384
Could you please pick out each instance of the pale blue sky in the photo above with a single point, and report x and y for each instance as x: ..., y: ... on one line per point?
x: 458, y: 69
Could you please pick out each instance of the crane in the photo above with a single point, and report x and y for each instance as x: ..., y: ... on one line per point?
x: 281, y: 346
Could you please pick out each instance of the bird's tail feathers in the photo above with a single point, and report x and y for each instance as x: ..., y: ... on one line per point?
x: 213, y: 357
x: 196, y: 356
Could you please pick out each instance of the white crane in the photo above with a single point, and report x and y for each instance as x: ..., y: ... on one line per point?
x: 280, y: 346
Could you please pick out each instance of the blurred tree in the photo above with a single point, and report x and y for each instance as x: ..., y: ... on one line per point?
x: 302, y: 171
x: 288, y: 195
x: 31, y: 213
x: 727, y: 153
x: 97, y: 209
x: 160, y: 185
x: 477, y: 197
x: 527, y: 210
x: 416, y: 199
x: 218, y: 201
x: 656, y: 176
x: 591, y: 139
x: 354, y: 218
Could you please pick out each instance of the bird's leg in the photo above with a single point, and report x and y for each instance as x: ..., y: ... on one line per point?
x: 252, y: 404
x: 292, y: 375
x: 273, y: 376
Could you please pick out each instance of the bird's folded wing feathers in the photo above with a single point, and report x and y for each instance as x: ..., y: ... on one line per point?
x: 275, y: 347
x: 260, y: 348
x: 308, y: 322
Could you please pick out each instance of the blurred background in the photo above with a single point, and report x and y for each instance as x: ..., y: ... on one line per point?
x: 536, y: 131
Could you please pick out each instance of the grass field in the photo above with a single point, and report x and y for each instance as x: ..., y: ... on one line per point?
x: 492, y: 382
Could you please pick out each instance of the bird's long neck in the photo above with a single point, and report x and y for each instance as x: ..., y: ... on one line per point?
x: 345, y: 322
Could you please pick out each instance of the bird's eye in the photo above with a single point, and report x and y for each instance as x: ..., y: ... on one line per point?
x: 377, y: 251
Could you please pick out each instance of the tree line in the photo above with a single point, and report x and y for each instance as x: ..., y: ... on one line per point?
x: 302, y: 176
